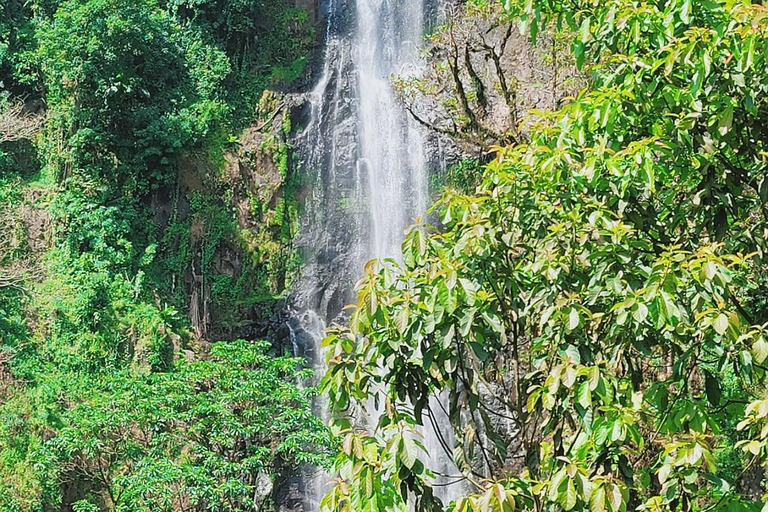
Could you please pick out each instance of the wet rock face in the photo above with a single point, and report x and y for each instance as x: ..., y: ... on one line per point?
x: 299, y: 492
x: 325, y: 156
x: 328, y: 159
x: 337, y: 230
x: 226, y: 233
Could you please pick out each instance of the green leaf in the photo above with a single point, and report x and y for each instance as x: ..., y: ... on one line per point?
x: 585, y: 395
x: 664, y: 473
x: 640, y: 313
x: 712, y: 386
x: 580, y: 52
x: 470, y: 290
x: 594, y: 377
x: 615, y: 497
x: 402, y: 320
x: 597, y: 500
x: 493, y: 320
x: 760, y: 350
x: 685, y: 12
x: 720, y: 325
x: 574, y: 319
x: 710, y: 270
x: 555, y: 485
x: 448, y: 335
x: 670, y: 309
x: 726, y: 121
x: 466, y: 321
x: 569, y: 499
x: 408, y: 452
x: 584, y: 31
x: 617, y: 431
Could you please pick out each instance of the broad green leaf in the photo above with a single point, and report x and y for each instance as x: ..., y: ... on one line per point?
x: 556, y: 485
x: 448, y: 335
x: 569, y: 499
x: 594, y: 378
x: 615, y: 497
x: 574, y: 319
x: 597, y: 500
x: 726, y: 121
x: 585, y: 395
x: 493, y: 321
x: 710, y: 270
x: 760, y: 350
x: 640, y: 313
x: 720, y: 324
x: 712, y: 386
x: 408, y: 452
x: 403, y: 320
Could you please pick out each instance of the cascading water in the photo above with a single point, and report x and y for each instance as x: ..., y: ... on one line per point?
x: 369, y: 165
x: 391, y: 147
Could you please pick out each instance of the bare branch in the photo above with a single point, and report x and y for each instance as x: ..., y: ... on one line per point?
x: 16, y: 267
x: 16, y: 124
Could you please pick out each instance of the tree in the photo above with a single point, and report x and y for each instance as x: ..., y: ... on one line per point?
x: 264, y: 33
x: 267, y: 42
x: 128, y: 90
x: 103, y: 243
x: 202, y: 437
x: 589, y: 309
x: 482, y: 77
x: 16, y: 40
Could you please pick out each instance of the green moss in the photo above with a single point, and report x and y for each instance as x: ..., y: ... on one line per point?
x: 291, y: 72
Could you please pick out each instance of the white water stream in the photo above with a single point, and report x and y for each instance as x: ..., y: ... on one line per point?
x: 371, y: 170
x: 392, y: 149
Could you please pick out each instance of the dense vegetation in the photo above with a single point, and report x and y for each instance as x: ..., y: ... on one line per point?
x: 592, y: 301
x: 596, y: 309
x: 119, y: 122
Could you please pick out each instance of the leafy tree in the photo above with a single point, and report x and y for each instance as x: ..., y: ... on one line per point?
x: 252, y: 31
x: 267, y: 42
x: 16, y: 36
x: 588, y: 309
x: 207, y: 435
x: 129, y: 89
x: 201, y: 437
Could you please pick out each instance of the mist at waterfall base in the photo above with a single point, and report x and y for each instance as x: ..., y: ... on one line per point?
x: 368, y: 163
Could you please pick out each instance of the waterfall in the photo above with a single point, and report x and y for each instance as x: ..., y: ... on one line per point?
x: 391, y: 146
x: 368, y: 163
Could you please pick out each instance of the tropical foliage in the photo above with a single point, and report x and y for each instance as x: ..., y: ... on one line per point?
x: 118, y: 121
x: 206, y: 435
x: 594, y: 310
